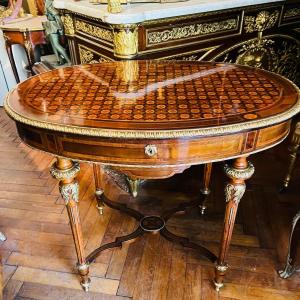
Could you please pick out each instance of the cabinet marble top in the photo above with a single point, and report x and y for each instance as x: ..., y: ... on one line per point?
x: 140, y: 12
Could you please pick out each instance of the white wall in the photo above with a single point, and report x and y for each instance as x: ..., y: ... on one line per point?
x: 7, y: 78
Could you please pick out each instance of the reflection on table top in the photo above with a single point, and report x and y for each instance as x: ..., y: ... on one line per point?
x: 153, y: 96
x: 25, y: 24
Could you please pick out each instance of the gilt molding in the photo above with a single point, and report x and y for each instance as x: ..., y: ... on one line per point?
x: 192, y: 30
x: 262, y: 21
x: 87, y: 56
x: 64, y: 174
x: 94, y: 31
x: 292, y: 12
x: 68, y: 25
x: 242, y: 174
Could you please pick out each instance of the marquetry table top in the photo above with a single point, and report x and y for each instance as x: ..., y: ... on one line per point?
x: 154, y: 99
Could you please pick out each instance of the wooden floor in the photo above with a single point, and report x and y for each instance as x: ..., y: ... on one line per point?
x: 38, y: 257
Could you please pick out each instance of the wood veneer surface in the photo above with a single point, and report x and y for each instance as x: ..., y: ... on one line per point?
x: 147, y: 95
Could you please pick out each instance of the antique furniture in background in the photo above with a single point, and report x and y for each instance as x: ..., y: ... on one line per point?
x: 151, y: 120
x: 265, y: 34
x: 12, y: 9
x: 293, y: 148
x: 27, y: 32
x: 289, y: 268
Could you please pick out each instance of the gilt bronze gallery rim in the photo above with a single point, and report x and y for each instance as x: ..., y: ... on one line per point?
x: 161, y: 99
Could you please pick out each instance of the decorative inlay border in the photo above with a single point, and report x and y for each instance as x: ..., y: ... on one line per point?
x: 95, y: 31
x: 86, y: 55
x: 192, y: 30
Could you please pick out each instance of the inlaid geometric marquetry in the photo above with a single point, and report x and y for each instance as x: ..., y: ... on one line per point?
x: 149, y: 94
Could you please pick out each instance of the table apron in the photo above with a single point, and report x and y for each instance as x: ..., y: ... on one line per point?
x: 168, y: 153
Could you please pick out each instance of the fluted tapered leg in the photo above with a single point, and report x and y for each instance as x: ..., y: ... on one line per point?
x: 234, y: 191
x: 65, y: 171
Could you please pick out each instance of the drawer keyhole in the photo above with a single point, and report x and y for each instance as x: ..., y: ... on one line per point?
x: 150, y: 150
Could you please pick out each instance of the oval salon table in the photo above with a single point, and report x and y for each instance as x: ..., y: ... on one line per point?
x: 151, y: 120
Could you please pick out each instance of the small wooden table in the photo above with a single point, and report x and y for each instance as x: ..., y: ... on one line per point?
x: 152, y: 119
x: 27, y: 32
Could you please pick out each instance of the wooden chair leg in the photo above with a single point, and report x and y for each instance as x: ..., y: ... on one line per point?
x: 205, y: 190
x: 289, y: 268
x: 295, y: 143
x: 98, y: 177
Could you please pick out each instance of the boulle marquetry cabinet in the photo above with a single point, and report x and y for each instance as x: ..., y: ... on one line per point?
x: 265, y: 34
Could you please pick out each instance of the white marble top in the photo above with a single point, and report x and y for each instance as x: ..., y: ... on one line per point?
x: 139, y: 12
x: 27, y: 23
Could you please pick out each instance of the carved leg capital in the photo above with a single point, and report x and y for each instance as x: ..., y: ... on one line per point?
x: 239, y: 171
x: 234, y: 191
x: 65, y: 171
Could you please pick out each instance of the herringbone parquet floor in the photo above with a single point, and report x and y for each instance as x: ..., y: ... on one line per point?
x: 38, y: 257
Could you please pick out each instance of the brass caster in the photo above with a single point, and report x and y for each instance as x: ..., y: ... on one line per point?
x: 100, y: 209
x: 287, y: 272
x: 202, y: 209
x: 86, y: 285
x: 100, y: 204
x: 218, y: 286
x: 205, y: 191
x: 284, y: 187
